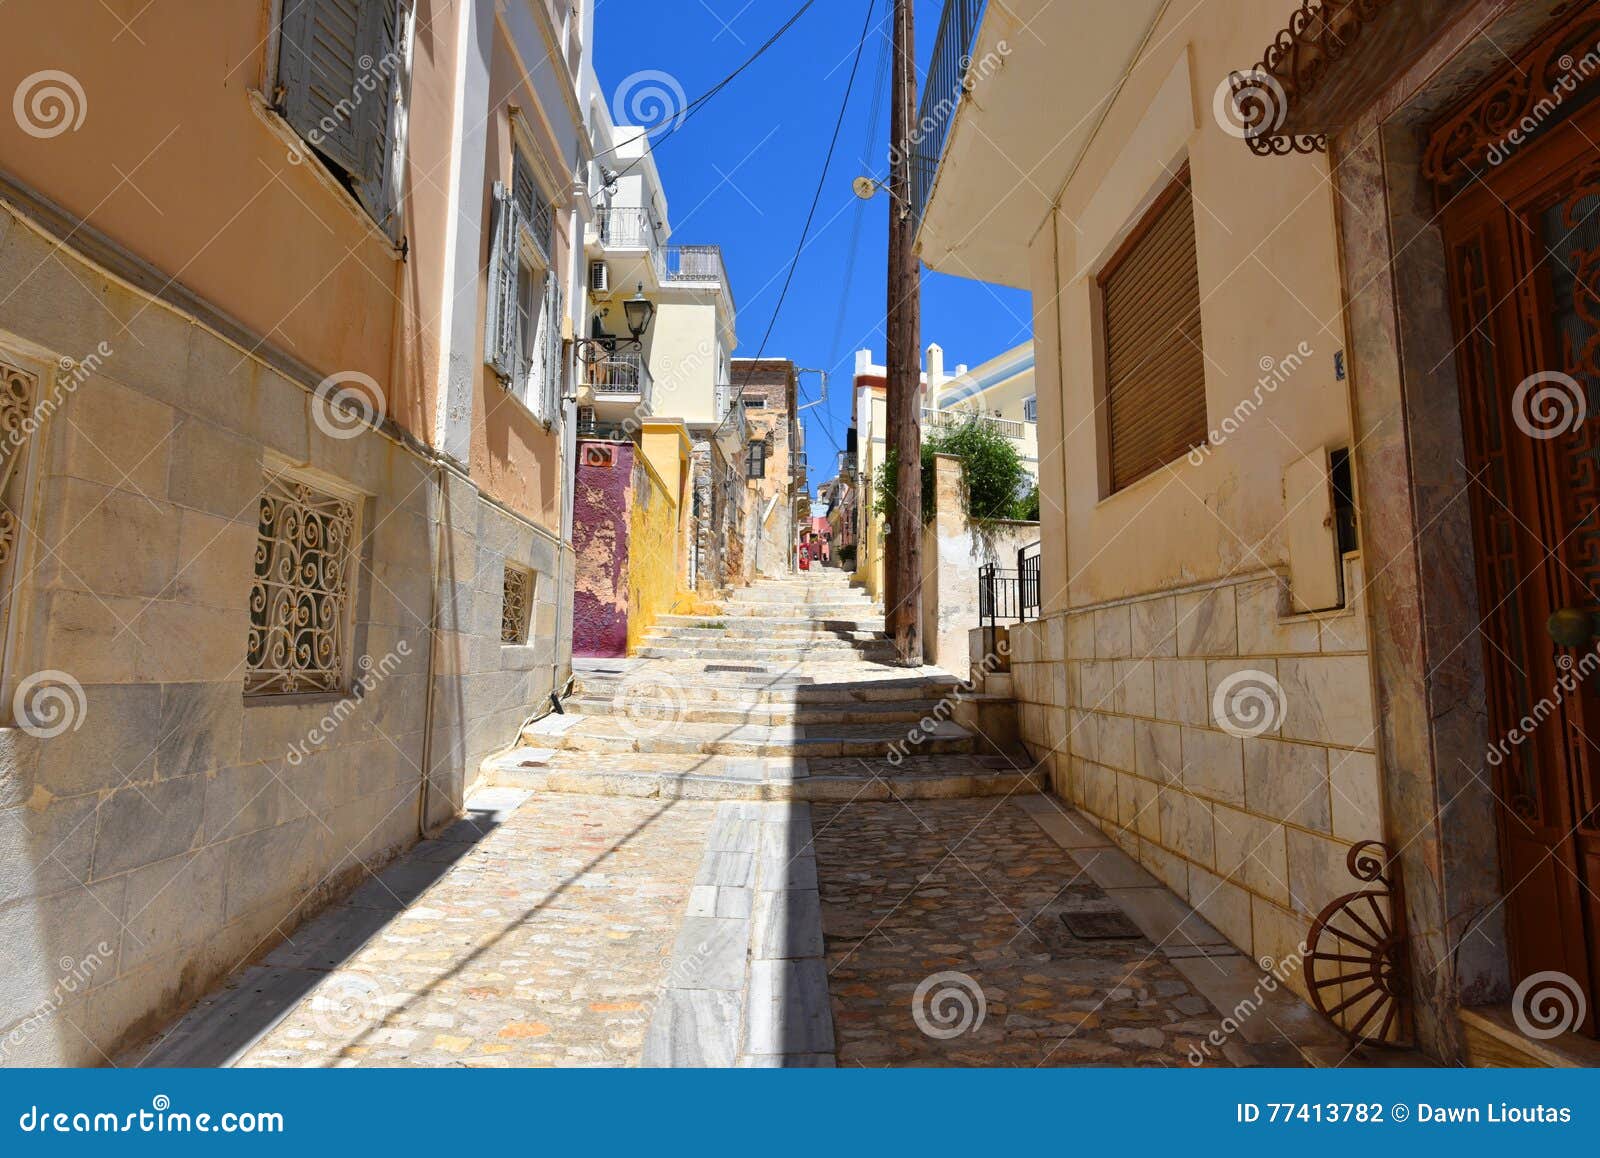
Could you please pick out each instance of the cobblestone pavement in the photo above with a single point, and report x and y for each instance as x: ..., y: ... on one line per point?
x: 546, y: 945
x: 912, y: 890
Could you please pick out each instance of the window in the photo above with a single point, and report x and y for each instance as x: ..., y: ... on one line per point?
x: 516, y: 606
x: 756, y: 459
x: 754, y: 402
x: 1154, y: 385
x: 341, y: 86
x: 522, y: 331
x: 300, y: 598
x: 1030, y: 408
x: 20, y: 410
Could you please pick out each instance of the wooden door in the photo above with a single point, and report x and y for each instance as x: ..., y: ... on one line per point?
x: 1524, y: 265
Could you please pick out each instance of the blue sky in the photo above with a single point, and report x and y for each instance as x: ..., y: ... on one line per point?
x: 742, y: 171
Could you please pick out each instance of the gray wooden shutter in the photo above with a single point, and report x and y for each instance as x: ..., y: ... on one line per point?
x: 382, y: 111
x: 320, y: 45
x: 555, y: 305
x: 500, y: 314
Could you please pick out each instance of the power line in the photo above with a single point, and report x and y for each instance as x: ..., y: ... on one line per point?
x: 694, y: 106
x: 822, y: 182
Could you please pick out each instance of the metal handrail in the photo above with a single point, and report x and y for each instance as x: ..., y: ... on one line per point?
x: 941, y: 95
x: 1010, y: 594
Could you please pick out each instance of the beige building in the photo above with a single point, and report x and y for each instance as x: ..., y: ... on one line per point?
x: 1286, y: 525
x: 1001, y: 392
x: 285, y: 334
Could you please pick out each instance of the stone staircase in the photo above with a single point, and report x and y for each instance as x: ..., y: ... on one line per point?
x: 787, y: 690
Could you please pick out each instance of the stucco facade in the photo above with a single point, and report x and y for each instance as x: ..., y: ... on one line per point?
x: 214, y: 340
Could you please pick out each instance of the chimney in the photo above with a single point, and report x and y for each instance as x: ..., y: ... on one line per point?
x: 935, y: 373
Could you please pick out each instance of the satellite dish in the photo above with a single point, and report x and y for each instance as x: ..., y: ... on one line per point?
x: 866, y: 188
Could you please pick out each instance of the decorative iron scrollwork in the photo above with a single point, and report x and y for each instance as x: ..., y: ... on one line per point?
x: 1524, y: 98
x: 1319, y: 33
x: 1355, y: 954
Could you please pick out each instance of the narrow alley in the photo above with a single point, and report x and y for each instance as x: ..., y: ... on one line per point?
x: 719, y: 855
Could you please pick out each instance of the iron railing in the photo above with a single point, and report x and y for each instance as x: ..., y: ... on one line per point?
x: 950, y: 419
x: 941, y: 95
x: 628, y: 228
x: 1010, y: 594
x: 620, y: 374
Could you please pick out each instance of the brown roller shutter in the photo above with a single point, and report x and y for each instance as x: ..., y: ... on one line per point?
x: 1155, y: 384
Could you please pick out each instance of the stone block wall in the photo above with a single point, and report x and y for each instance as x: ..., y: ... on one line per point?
x: 166, y: 828
x: 1121, y: 703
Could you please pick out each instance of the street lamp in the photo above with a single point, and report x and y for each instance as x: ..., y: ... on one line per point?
x: 639, y: 311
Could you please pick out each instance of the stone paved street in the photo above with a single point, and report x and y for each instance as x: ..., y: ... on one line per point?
x: 976, y: 887
x: 718, y: 883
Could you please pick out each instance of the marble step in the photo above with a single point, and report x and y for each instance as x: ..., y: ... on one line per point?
x: 732, y: 653
x: 738, y: 688
x: 918, y: 777
x: 661, y: 734
x: 812, y: 612
x: 749, y: 625
x: 769, y: 714
x: 756, y: 629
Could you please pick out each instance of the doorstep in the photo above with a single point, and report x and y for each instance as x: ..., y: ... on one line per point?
x: 1494, y: 1041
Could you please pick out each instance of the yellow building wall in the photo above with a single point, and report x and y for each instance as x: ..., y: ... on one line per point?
x: 652, y: 552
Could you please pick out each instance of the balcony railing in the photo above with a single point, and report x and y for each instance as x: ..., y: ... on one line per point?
x: 950, y: 419
x: 619, y: 376
x: 941, y: 95
x: 627, y: 228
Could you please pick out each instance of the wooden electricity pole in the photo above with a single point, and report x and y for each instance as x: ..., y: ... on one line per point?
x: 903, y: 358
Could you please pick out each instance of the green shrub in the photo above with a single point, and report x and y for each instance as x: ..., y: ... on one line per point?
x: 994, y: 483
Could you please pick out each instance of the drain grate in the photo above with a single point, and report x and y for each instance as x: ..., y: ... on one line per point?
x: 1100, y: 926
x: 711, y: 667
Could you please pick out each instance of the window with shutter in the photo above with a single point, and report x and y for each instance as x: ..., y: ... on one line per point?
x: 500, y: 328
x: 1154, y: 385
x: 341, y: 86
x: 756, y: 460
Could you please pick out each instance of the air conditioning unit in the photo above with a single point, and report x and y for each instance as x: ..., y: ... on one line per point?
x: 599, y: 277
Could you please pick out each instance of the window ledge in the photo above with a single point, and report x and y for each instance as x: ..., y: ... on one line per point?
x: 298, y: 699
x: 297, y: 145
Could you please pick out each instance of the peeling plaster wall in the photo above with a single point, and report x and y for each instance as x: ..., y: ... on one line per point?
x: 600, y: 542
x: 653, y: 559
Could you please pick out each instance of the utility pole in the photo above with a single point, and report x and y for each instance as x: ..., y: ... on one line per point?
x: 903, y: 564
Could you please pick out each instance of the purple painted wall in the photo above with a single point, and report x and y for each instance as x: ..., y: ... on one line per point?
x: 600, y: 540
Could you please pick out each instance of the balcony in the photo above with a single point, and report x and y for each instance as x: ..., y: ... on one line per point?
x: 950, y: 419
x: 619, y: 377
x: 942, y: 93
x: 627, y: 228
x: 695, y: 264
x: 1018, y: 88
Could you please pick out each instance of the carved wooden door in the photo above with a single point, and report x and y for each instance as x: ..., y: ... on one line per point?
x: 1524, y: 257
